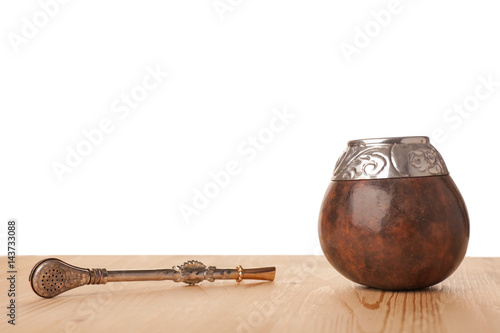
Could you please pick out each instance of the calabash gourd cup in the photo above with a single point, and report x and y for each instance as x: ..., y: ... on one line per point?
x: 392, y: 218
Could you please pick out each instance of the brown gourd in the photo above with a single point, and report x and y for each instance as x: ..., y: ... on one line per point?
x: 392, y: 218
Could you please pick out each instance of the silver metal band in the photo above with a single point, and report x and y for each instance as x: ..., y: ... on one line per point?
x: 389, y: 158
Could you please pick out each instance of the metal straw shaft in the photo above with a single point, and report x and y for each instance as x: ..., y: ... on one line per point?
x: 264, y: 273
x: 141, y: 275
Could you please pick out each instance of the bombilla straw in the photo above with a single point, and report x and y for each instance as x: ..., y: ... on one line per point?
x: 51, y: 277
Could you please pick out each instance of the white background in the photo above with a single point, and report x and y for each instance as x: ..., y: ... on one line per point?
x: 227, y: 73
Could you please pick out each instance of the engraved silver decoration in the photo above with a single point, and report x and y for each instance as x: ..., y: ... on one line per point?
x: 382, y: 158
x: 191, y: 272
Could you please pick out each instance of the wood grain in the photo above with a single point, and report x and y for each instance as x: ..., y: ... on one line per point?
x: 308, y: 295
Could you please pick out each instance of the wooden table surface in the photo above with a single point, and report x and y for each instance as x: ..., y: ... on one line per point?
x: 308, y: 295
